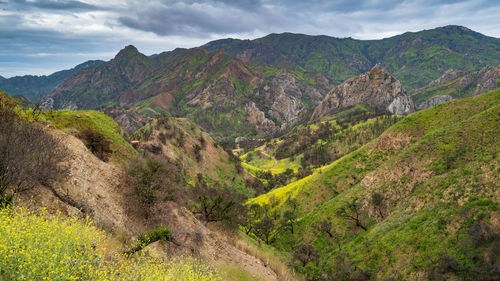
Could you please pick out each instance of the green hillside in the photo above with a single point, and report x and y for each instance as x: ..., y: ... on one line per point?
x: 426, y: 191
x: 412, y: 57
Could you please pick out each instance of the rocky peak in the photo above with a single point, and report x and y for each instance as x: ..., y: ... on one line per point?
x: 376, y: 87
x: 128, y: 51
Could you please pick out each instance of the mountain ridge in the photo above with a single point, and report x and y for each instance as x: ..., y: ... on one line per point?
x: 35, y: 87
x: 342, y: 58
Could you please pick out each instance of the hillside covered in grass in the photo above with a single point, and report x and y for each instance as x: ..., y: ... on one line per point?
x: 418, y: 202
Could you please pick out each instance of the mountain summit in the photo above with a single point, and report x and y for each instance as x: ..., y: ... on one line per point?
x: 377, y: 87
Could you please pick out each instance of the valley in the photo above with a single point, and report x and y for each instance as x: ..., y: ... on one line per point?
x: 287, y: 157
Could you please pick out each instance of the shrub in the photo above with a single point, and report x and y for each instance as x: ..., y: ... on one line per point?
x: 305, y: 253
x: 29, y: 155
x: 97, y: 143
x: 160, y: 233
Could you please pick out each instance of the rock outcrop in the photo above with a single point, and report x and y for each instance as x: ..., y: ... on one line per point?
x: 377, y: 88
x: 452, y: 85
x: 434, y: 101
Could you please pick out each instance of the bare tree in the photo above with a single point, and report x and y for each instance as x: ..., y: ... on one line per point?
x: 377, y: 201
x: 352, y: 211
x: 29, y: 155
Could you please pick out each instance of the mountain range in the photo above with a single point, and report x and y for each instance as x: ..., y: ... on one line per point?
x: 415, y: 58
x: 288, y: 157
x: 263, y: 90
x: 35, y: 87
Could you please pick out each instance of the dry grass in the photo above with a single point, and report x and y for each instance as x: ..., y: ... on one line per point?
x: 265, y: 253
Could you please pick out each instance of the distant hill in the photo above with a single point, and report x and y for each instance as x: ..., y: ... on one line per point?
x: 34, y: 87
x: 223, y: 95
x: 415, y: 58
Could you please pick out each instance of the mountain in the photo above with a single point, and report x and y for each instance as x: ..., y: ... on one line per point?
x: 457, y: 84
x: 35, y: 87
x: 377, y: 88
x: 418, y: 202
x: 415, y: 58
x: 223, y: 95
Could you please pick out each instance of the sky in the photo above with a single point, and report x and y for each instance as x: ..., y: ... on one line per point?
x: 40, y: 37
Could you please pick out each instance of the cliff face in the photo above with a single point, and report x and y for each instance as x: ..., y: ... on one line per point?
x: 457, y: 84
x: 377, y: 88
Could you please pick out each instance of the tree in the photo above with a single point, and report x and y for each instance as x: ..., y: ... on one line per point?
x: 264, y: 229
x: 305, y: 253
x: 289, y: 216
x: 29, y: 155
x: 216, y: 205
x: 254, y: 212
x: 377, y: 201
x: 326, y: 227
x: 352, y: 212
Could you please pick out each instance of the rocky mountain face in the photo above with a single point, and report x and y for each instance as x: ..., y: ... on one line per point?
x: 376, y: 88
x: 35, y: 87
x: 91, y: 88
x: 227, y: 97
x: 412, y: 57
x: 457, y: 84
x: 435, y: 100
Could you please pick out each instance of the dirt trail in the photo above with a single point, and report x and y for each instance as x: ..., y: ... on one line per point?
x: 261, y: 149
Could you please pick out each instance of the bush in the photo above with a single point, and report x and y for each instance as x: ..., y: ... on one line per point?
x: 97, y: 143
x: 305, y: 253
x: 29, y: 155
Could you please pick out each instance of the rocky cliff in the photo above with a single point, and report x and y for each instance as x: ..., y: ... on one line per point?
x: 377, y: 88
x: 457, y: 84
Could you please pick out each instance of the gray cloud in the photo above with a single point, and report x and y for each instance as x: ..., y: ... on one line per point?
x: 197, y: 19
x: 62, y: 5
x: 41, y: 36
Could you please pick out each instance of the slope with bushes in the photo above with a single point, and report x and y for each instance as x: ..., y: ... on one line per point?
x: 419, y: 202
x: 79, y: 183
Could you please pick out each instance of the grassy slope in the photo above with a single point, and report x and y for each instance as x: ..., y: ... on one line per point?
x: 74, y: 122
x: 215, y: 164
x: 437, y: 170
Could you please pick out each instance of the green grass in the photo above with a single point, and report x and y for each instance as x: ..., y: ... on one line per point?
x: 74, y: 122
x: 437, y: 172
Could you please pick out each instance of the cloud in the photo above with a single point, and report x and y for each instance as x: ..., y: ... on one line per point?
x: 96, y: 29
x: 68, y: 5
